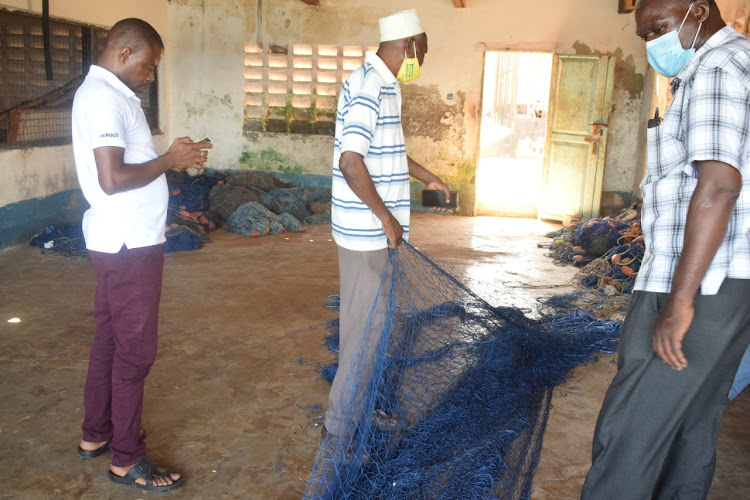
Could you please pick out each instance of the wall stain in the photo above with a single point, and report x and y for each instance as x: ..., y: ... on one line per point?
x: 269, y: 160
x: 627, y: 79
x: 192, y: 111
x: 424, y: 113
x: 301, y: 23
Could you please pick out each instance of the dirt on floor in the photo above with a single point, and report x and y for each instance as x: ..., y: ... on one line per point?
x: 230, y: 401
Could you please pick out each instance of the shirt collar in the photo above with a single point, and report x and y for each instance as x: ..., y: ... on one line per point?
x: 380, y: 67
x: 111, y: 78
x: 721, y: 37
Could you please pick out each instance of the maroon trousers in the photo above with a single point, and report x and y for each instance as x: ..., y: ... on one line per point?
x: 128, y: 291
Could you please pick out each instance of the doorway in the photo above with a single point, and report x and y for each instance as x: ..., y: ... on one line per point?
x: 515, y: 105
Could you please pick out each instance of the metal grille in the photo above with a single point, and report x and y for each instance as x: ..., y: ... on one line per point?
x: 36, y: 92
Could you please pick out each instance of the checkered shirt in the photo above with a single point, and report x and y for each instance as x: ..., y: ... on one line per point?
x: 709, y: 119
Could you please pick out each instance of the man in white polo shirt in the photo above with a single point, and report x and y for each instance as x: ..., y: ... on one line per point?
x: 123, y: 180
x: 371, y: 202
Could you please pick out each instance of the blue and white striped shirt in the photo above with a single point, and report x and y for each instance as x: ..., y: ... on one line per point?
x: 368, y: 122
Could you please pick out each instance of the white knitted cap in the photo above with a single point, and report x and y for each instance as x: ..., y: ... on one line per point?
x: 402, y: 24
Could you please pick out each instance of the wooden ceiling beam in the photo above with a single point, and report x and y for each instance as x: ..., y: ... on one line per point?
x: 459, y: 4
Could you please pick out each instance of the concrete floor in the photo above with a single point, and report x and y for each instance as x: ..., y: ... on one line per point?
x: 241, y: 336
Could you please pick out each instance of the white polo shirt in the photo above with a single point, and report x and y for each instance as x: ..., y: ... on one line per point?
x: 368, y: 122
x: 107, y: 113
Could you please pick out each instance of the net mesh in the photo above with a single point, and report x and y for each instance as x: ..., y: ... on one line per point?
x: 458, y: 395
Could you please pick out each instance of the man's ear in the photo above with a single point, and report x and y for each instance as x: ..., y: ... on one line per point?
x: 702, y: 10
x: 124, y: 55
x: 409, y: 46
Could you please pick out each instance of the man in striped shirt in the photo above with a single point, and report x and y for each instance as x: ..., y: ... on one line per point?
x: 689, y: 320
x: 371, y: 203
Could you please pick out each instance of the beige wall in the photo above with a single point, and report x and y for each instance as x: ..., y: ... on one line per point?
x: 202, y: 78
x: 39, y: 172
x: 97, y: 12
x: 205, y: 66
x: 207, y: 71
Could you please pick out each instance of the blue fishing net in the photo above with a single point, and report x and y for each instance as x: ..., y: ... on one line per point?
x: 182, y: 239
x: 457, y: 402
x: 597, y: 236
x: 65, y: 239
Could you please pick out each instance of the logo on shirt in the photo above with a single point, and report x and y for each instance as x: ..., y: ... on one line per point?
x: 109, y: 134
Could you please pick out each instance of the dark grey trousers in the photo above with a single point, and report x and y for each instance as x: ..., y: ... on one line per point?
x: 657, y: 429
x: 360, y: 329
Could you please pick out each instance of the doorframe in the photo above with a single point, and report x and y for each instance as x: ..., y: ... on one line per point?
x: 484, y: 48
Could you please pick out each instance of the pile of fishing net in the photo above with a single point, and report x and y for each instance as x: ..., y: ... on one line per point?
x: 457, y: 401
x: 253, y: 219
x: 561, y: 248
x: 610, y: 252
x: 63, y: 239
x: 616, y: 271
x: 609, y: 279
x: 247, y: 203
x: 582, y: 242
x: 68, y: 240
x: 189, y: 200
x: 595, y: 237
x: 309, y: 206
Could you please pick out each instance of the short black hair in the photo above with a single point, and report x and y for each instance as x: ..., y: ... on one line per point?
x: 134, y: 34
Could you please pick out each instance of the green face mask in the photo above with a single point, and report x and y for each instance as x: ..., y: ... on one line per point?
x: 409, y: 68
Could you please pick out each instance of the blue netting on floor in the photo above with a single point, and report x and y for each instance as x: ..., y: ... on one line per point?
x: 65, y: 239
x: 458, y: 397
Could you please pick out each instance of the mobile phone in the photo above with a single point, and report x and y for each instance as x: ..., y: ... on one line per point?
x: 436, y: 198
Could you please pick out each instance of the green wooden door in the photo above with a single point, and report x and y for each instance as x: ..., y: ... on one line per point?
x: 580, y: 104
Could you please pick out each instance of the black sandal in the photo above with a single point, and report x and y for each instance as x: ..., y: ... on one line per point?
x: 103, y: 448
x: 149, y: 470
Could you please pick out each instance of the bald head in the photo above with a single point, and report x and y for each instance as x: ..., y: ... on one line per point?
x: 134, y: 34
x: 679, y: 2
x: 696, y: 20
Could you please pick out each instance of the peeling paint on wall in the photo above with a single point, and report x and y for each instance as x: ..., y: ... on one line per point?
x: 436, y: 137
x: 425, y: 113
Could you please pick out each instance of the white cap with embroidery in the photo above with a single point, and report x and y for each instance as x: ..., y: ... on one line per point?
x: 402, y: 24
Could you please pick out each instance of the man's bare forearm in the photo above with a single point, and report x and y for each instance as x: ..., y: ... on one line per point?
x: 116, y: 176
x: 708, y: 217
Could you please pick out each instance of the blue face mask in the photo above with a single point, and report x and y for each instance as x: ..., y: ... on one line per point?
x: 666, y: 55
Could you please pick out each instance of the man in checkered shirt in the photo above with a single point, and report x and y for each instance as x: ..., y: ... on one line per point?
x: 689, y: 322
